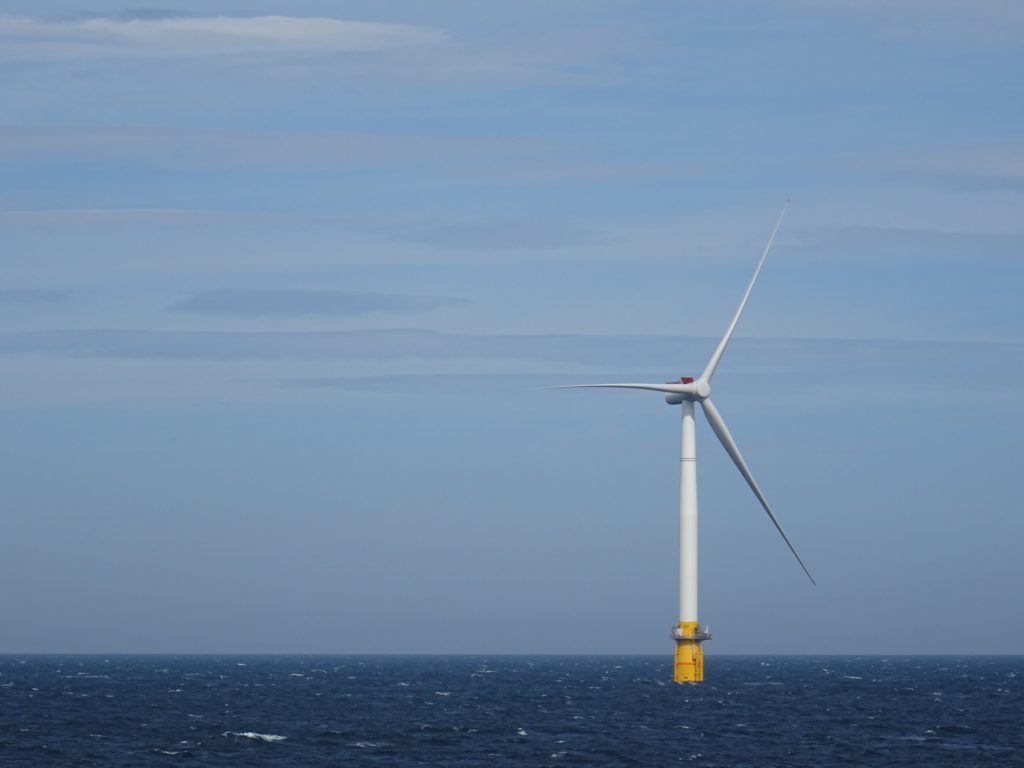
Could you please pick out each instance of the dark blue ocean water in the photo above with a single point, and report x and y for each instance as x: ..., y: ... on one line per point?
x: 509, y: 711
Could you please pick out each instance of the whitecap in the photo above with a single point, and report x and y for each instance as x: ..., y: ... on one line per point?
x: 521, y: 732
x: 267, y: 737
x: 365, y: 745
x: 442, y: 693
x: 852, y: 677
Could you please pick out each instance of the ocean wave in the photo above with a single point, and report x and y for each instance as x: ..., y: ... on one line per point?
x: 330, y: 734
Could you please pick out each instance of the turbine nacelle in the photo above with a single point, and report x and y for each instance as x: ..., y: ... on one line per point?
x: 698, y: 390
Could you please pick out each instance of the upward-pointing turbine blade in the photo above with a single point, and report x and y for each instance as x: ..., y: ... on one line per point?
x: 709, y: 369
x: 722, y: 431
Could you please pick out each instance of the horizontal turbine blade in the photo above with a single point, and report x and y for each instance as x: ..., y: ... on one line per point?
x: 709, y: 369
x: 679, y: 389
x: 722, y: 431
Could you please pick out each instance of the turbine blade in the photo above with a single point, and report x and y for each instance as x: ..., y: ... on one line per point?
x: 709, y: 369
x: 676, y: 388
x: 722, y: 431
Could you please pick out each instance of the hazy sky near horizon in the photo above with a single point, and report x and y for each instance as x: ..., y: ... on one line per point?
x: 278, y: 278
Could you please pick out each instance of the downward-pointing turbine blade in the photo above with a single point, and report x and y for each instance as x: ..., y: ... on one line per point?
x: 722, y: 431
x: 709, y: 369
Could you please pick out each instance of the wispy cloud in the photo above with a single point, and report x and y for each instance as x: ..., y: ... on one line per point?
x: 503, y: 234
x: 892, y: 242
x: 980, y: 21
x: 608, y: 353
x: 799, y: 372
x: 997, y: 165
x: 197, y: 36
x: 31, y: 297
x: 791, y: 373
x: 515, y: 159
x: 330, y: 345
x: 262, y: 303
x: 453, y: 385
x: 245, y: 149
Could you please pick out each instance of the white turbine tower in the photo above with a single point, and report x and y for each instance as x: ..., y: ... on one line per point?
x: 688, y: 633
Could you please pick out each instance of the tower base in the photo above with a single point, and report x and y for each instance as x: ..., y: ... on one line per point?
x: 689, y: 661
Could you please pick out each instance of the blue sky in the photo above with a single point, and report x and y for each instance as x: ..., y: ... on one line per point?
x: 278, y: 279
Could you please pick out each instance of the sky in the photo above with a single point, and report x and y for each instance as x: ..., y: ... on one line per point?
x: 278, y: 280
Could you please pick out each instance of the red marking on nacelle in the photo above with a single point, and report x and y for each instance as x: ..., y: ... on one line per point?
x: 687, y: 380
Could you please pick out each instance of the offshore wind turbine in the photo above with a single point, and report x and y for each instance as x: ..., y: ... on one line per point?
x: 687, y: 392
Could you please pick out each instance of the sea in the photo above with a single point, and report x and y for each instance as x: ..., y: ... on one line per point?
x: 756, y: 711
